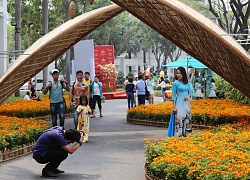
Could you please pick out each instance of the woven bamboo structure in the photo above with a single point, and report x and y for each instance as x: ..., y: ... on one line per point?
x: 51, y: 46
x: 197, y: 35
x: 191, y: 31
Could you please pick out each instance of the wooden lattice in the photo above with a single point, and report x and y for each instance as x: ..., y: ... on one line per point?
x: 197, y: 35
x: 51, y: 46
x: 191, y: 31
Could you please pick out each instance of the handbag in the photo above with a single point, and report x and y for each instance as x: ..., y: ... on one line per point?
x: 171, y: 126
x: 147, y: 92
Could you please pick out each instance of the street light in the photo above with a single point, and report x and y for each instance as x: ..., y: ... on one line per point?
x: 14, y: 23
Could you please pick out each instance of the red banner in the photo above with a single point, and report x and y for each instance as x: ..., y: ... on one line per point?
x: 104, y: 55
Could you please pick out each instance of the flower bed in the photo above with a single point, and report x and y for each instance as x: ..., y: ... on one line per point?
x: 18, y: 132
x: 208, y: 112
x: 168, y: 86
x: 32, y: 108
x: 15, y: 132
x: 220, y: 153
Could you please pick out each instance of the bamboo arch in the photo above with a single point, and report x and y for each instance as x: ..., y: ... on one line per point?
x: 185, y: 27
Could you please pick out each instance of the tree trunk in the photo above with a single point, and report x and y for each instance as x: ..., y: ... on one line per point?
x: 68, y: 52
x: 17, y: 34
x: 45, y: 30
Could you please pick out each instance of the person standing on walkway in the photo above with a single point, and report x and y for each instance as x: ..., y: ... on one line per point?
x: 83, y: 111
x: 130, y: 90
x: 212, y: 94
x: 151, y: 84
x: 181, y: 93
x: 87, y: 81
x: 163, y: 89
x: 52, y: 147
x: 96, y: 95
x: 57, y: 102
x: 31, y: 86
x: 77, y: 89
x: 141, y: 90
x: 198, y: 87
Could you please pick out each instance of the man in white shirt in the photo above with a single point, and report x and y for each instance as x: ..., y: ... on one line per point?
x: 27, y: 96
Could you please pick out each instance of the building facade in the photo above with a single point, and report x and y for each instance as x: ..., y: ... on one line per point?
x: 138, y: 62
x: 3, y: 37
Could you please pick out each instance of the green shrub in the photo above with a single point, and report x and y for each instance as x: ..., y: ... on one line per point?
x: 120, y: 77
x: 230, y: 91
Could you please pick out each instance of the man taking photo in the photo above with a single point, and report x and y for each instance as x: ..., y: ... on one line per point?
x: 52, y: 147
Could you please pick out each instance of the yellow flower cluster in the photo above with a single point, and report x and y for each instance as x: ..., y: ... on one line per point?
x: 29, y: 108
x: 219, y: 153
x: 220, y: 109
x: 17, y: 131
x: 207, y: 111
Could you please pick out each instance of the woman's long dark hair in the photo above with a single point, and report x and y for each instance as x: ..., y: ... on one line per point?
x: 184, y: 74
x: 83, y: 97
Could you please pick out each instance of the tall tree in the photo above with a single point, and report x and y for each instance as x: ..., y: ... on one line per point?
x: 159, y: 45
x: 18, y: 34
x: 233, y: 16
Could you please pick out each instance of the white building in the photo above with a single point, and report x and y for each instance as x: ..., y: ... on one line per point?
x: 137, y: 62
x: 3, y: 37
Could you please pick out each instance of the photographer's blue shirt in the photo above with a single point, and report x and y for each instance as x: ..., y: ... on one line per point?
x: 56, y: 94
x: 52, y: 138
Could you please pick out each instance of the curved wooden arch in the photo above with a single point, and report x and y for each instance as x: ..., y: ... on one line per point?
x: 197, y: 35
x: 188, y: 29
x: 51, y: 46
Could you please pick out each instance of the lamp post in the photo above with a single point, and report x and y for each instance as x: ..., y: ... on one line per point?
x: 45, y: 31
x: 17, y: 25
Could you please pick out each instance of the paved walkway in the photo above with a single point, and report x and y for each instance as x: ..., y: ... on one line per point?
x: 114, y: 151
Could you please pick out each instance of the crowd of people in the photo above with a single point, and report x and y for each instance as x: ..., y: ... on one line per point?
x: 31, y: 93
x: 53, y: 146
x: 142, y: 88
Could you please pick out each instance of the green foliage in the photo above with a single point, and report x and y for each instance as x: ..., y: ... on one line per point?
x: 122, y: 31
x: 130, y: 74
x: 200, y: 6
x: 14, y: 98
x: 109, y: 89
x: 10, y: 37
x: 160, y: 46
x: 120, y: 77
x: 230, y: 91
x: 3, y: 143
x: 17, y: 139
x: 119, y: 86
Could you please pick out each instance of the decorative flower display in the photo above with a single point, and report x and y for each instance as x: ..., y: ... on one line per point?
x: 109, y: 74
x: 207, y: 111
x: 30, y: 108
x: 220, y: 153
x: 18, y: 131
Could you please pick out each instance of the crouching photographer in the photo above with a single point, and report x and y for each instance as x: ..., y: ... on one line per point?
x: 52, y: 147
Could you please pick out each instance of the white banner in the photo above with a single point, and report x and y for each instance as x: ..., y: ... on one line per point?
x: 84, y: 57
x: 73, y: 71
